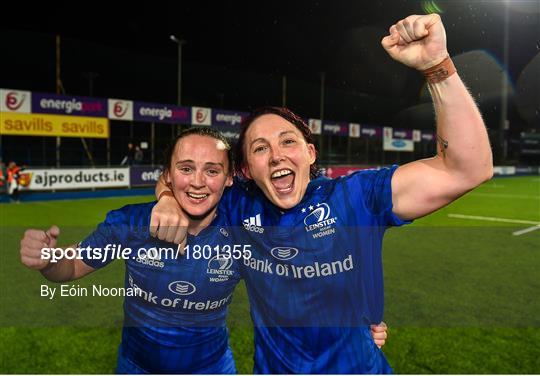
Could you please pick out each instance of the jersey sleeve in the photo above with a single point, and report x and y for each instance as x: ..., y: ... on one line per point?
x: 94, y: 246
x: 374, y: 190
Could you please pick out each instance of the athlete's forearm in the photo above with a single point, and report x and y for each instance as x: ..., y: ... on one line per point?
x: 161, y: 187
x: 463, y: 158
x: 66, y: 269
x: 61, y: 271
x: 462, y: 140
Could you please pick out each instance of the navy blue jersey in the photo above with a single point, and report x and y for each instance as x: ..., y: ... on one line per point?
x: 315, y: 279
x: 175, y: 321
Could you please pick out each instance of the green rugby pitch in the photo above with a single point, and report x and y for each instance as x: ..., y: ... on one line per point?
x: 461, y: 290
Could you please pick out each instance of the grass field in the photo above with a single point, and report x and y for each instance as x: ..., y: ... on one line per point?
x: 462, y: 290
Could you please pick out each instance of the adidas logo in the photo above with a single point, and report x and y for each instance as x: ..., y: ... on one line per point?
x: 254, y: 224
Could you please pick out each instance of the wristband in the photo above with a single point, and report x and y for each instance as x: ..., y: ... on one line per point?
x: 165, y: 193
x: 440, y: 72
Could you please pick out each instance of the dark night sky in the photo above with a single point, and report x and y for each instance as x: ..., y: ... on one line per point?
x: 237, y: 51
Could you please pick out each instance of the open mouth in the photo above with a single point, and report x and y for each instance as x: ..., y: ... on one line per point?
x: 283, y: 180
x: 197, y: 197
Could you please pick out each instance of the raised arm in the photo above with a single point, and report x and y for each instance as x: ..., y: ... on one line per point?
x: 61, y: 271
x: 464, y: 158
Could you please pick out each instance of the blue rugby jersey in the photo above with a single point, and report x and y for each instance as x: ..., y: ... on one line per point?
x: 315, y: 279
x: 176, y: 322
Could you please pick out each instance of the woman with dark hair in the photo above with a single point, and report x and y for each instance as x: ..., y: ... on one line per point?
x: 315, y: 275
x: 174, y: 320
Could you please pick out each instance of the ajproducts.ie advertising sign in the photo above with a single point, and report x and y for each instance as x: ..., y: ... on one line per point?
x: 60, y: 179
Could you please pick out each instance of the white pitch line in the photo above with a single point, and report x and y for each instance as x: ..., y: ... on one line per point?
x: 502, y: 195
x: 493, y: 219
x: 526, y: 230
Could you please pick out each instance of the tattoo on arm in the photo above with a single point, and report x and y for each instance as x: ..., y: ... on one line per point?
x: 443, y: 144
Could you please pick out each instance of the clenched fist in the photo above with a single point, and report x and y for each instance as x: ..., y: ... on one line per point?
x: 379, y: 334
x: 417, y: 41
x: 168, y: 222
x: 32, y: 243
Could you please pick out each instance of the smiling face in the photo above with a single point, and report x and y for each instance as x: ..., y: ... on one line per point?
x: 198, y: 173
x: 278, y: 159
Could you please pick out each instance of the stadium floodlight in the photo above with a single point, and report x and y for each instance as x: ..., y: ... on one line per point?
x: 180, y: 43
